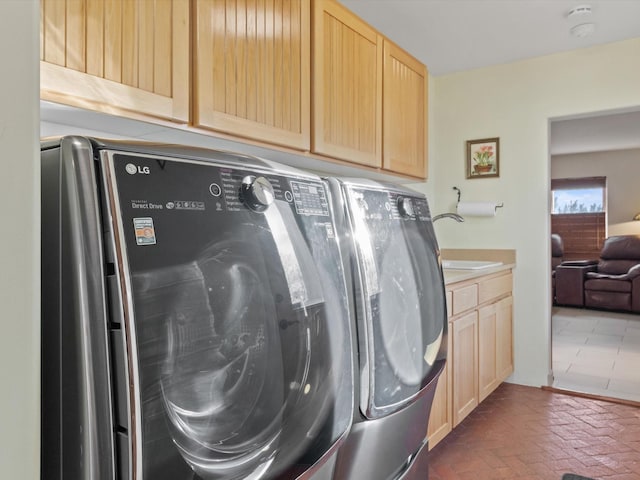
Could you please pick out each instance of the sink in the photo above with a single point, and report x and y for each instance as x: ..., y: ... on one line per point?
x: 468, y: 264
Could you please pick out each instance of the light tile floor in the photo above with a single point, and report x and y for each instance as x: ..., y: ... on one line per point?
x: 596, y: 352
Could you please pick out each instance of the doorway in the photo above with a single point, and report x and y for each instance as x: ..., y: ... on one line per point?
x: 593, y: 351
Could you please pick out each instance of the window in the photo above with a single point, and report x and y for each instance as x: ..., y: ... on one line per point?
x: 578, y: 215
x: 578, y: 195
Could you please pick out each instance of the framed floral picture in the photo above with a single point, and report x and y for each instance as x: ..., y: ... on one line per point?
x: 483, y: 158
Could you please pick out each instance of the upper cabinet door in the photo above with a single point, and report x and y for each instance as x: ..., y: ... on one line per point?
x: 117, y: 55
x: 252, y: 69
x: 405, y: 113
x: 347, y: 89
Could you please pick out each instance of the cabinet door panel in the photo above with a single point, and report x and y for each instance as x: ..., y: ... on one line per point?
x: 117, y: 55
x: 465, y: 372
x: 252, y: 63
x: 504, y: 338
x: 487, y: 378
x: 347, y: 94
x: 405, y: 113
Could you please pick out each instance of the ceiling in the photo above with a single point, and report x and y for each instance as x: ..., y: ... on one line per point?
x: 456, y: 35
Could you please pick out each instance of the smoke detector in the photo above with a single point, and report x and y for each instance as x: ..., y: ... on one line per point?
x: 580, y: 11
x: 579, y: 16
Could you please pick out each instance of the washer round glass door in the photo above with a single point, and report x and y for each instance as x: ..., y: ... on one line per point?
x: 403, y: 294
x: 240, y: 366
x: 239, y: 327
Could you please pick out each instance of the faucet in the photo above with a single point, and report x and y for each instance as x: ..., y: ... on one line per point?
x: 455, y: 216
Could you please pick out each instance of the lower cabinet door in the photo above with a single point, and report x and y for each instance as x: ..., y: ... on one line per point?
x: 504, y: 338
x: 464, y: 365
x: 487, y: 365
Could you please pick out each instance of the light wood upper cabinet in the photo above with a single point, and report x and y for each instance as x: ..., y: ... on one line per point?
x: 369, y: 95
x: 347, y: 88
x: 117, y: 55
x: 243, y: 69
x: 404, y: 113
x: 252, y: 69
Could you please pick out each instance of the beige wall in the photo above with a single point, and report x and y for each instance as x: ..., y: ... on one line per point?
x: 515, y: 102
x: 19, y: 241
x: 622, y: 169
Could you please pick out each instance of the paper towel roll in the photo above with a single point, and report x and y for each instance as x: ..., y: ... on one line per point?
x: 477, y: 209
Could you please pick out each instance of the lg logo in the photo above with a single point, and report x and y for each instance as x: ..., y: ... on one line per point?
x: 133, y: 169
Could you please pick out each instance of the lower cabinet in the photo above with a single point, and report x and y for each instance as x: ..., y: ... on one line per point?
x: 480, y: 349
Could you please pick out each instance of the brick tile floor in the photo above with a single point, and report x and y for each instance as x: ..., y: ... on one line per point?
x: 526, y: 433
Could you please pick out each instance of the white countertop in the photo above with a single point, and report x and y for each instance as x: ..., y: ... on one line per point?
x: 454, y: 276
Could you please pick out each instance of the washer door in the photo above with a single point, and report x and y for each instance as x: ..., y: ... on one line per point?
x: 408, y: 274
x: 239, y: 330
x: 239, y: 366
x: 403, y: 319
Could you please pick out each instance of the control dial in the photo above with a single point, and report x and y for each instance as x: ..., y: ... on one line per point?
x: 405, y: 207
x: 256, y: 193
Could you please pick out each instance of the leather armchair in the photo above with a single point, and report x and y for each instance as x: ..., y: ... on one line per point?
x: 612, y: 283
x: 615, y: 285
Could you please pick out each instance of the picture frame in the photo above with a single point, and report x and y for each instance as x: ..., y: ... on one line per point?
x: 483, y: 158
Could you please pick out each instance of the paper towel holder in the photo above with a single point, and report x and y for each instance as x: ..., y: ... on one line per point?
x: 500, y: 205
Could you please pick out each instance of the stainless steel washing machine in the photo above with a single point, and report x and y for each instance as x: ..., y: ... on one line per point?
x: 400, y: 309
x: 194, y: 315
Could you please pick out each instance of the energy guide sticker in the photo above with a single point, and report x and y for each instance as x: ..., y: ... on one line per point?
x: 145, y: 233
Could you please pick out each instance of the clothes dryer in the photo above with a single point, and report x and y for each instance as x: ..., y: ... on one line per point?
x: 400, y: 311
x: 194, y: 316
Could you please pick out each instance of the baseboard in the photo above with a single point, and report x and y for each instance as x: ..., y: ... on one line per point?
x: 621, y: 401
